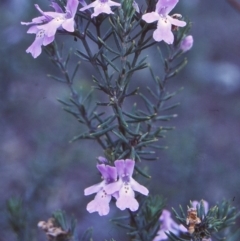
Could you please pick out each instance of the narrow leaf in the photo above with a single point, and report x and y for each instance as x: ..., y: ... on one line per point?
x: 102, y: 132
x: 56, y: 78
x: 141, y: 172
x: 111, y: 63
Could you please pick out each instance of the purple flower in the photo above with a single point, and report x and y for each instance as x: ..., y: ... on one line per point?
x: 50, y: 21
x: 100, y: 6
x: 102, y: 159
x: 83, y: 3
x: 165, y: 22
x: 186, y: 43
x: 101, y: 201
x: 167, y: 224
x: 205, y: 205
x: 41, y: 39
x: 37, y: 20
x: 126, y: 186
x: 59, y: 18
x: 206, y: 208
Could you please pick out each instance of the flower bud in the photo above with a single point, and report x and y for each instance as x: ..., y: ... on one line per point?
x: 186, y: 43
x: 136, y: 7
x: 102, y: 160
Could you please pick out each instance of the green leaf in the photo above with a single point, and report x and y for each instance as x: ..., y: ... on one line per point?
x: 75, y: 70
x: 152, y: 93
x: 87, y: 236
x: 141, y: 172
x: 123, y: 154
x: 91, y: 36
x: 111, y: 63
x: 56, y: 78
x: 82, y: 56
x: 170, y: 107
x: 145, y: 143
x: 103, y: 132
x: 121, y: 136
x: 138, y: 118
x: 166, y: 117
x: 67, y: 59
x: 148, y: 103
x: 63, y: 102
x: 84, y: 135
x: 169, y: 96
x: 122, y: 225
x: 108, y: 48
x: 177, y: 69
x: 107, y: 121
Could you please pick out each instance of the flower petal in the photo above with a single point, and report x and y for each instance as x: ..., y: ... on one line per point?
x: 83, y: 3
x: 112, y: 173
x: 100, y: 204
x: 109, y: 173
x: 160, y: 236
x: 33, y: 29
x: 120, y: 165
x: 103, y: 8
x: 163, y: 31
x: 164, y: 7
x: 205, y: 205
x: 102, y: 160
x: 49, y: 15
x: 51, y: 27
x: 37, y: 20
x: 167, y: 224
x: 138, y: 188
x: 93, y: 189
x: 129, y: 166
x: 111, y: 3
x: 36, y: 47
x: 91, y: 5
x: 182, y: 228
x: 113, y: 187
x: 56, y: 7
x: 47, y: 40
x: 176, y: 22
x: 72, y: 7
x: 126, y: 199
x: 165, y: 215
x: 39, y: 9
x: 127, y: 202
x: 68, y: 25
x: 150, y: 17
x: 166, y: 37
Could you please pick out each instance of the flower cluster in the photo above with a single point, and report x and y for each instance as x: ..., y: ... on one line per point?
x: 165, y: 22
x: 45, y: 26
x: 52, y: 230
x: 117, y: 182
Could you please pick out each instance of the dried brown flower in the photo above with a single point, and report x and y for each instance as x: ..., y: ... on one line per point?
x: 52, y: 230
x: 192, y: 220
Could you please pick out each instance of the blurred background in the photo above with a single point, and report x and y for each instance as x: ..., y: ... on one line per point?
x: 38, y: 164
